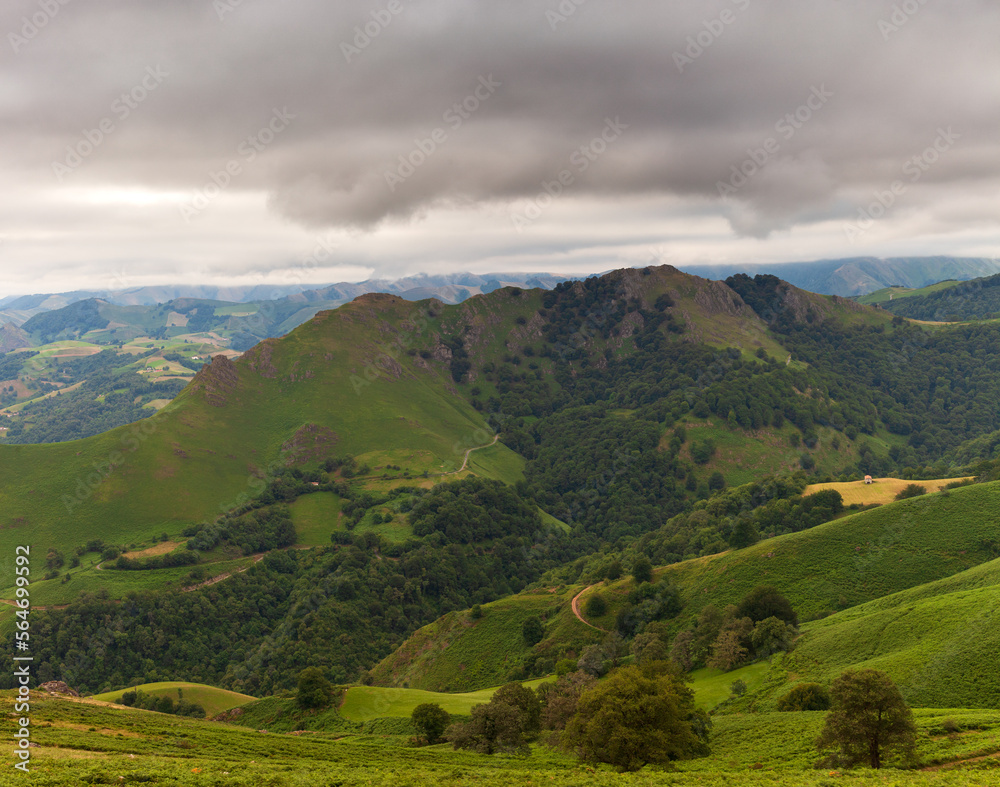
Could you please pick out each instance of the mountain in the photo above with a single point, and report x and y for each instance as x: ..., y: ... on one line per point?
x: 448, y: 288
x: 860, y: 275
x: 12, y: 338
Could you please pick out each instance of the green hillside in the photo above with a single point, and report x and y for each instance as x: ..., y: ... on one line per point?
x: 290, y: 400
x: 978, y: 299
x: 213, y: 700
x: 855, y: 559
x: 937, y: 641
x: 892, y: 294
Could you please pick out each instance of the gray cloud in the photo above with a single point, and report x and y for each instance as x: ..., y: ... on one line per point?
x: 693, y: 111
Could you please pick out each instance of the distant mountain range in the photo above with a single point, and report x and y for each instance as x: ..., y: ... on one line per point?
x: 860, y: 275
x: 289, y: 306
x: 449, y: 288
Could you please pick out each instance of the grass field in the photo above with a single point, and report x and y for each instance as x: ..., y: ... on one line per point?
x: 881, y: 491
x: 364, y: 703
x: 213, y: 700
x: 894, y: 293
x: 712, y: 686
x: 83, y: 743
x: 315, y: 517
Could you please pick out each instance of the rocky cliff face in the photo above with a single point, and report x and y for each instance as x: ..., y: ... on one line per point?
x: 218, y: 380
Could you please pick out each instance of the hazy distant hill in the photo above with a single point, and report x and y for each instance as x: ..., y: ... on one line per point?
x: 860, y: 275
x: 448, y: 288
x: 978, y: 299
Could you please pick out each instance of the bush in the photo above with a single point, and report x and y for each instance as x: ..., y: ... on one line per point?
x: 805, y: 696
x: 911, y: 490
x: 642, y: 570
x: 532, y: 631
x: 596, y: 606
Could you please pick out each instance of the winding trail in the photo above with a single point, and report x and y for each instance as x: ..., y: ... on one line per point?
x: 465, y: 462
x: 576, y: 608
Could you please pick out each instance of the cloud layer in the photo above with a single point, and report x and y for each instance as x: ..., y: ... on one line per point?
x: 229, y: 135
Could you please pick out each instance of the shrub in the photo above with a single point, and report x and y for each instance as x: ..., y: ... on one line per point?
x: 805, y: 696
x: 911, y: 490
x: 596, y: 606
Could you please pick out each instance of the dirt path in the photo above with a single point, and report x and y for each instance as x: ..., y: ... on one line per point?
x: 576, y: 608
x: 465, y: 462
x: 958, y: 763
x: 213, y: 580
x: 34, y: 607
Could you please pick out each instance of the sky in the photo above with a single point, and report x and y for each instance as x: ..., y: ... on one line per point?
x: 257, y: 142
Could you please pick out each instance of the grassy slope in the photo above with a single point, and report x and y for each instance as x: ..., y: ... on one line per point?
x: 938, y: 642
x: 458, y: 653
x: 364, y: 703
x: 213, y: 700
x: 882, y: 296
x: 854, y: 559
x: 193, y: 458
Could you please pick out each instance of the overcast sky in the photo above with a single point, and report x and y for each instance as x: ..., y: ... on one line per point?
x: 408, y: 136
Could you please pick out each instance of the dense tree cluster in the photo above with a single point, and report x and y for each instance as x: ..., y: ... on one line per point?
x: 762, y: 624
x: 137, y: 698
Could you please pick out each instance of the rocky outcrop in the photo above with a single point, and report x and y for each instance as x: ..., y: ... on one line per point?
x: 57, y: 687
x: 218, y: 380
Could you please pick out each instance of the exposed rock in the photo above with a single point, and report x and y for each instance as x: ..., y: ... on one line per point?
x: 58, y: 687
x: 258, y: 358
x: 217, y: 379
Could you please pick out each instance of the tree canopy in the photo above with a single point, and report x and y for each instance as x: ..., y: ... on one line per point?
x: 868, y: 720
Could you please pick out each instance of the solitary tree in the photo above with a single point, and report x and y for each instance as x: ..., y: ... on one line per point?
x: 314, y: 688
x: 431, y: 720
x: 868, y: 720
x: 633, y: 718
x: 494, y: 727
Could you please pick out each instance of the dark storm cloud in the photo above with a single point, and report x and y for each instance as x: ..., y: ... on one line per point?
x: 404, y: 106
